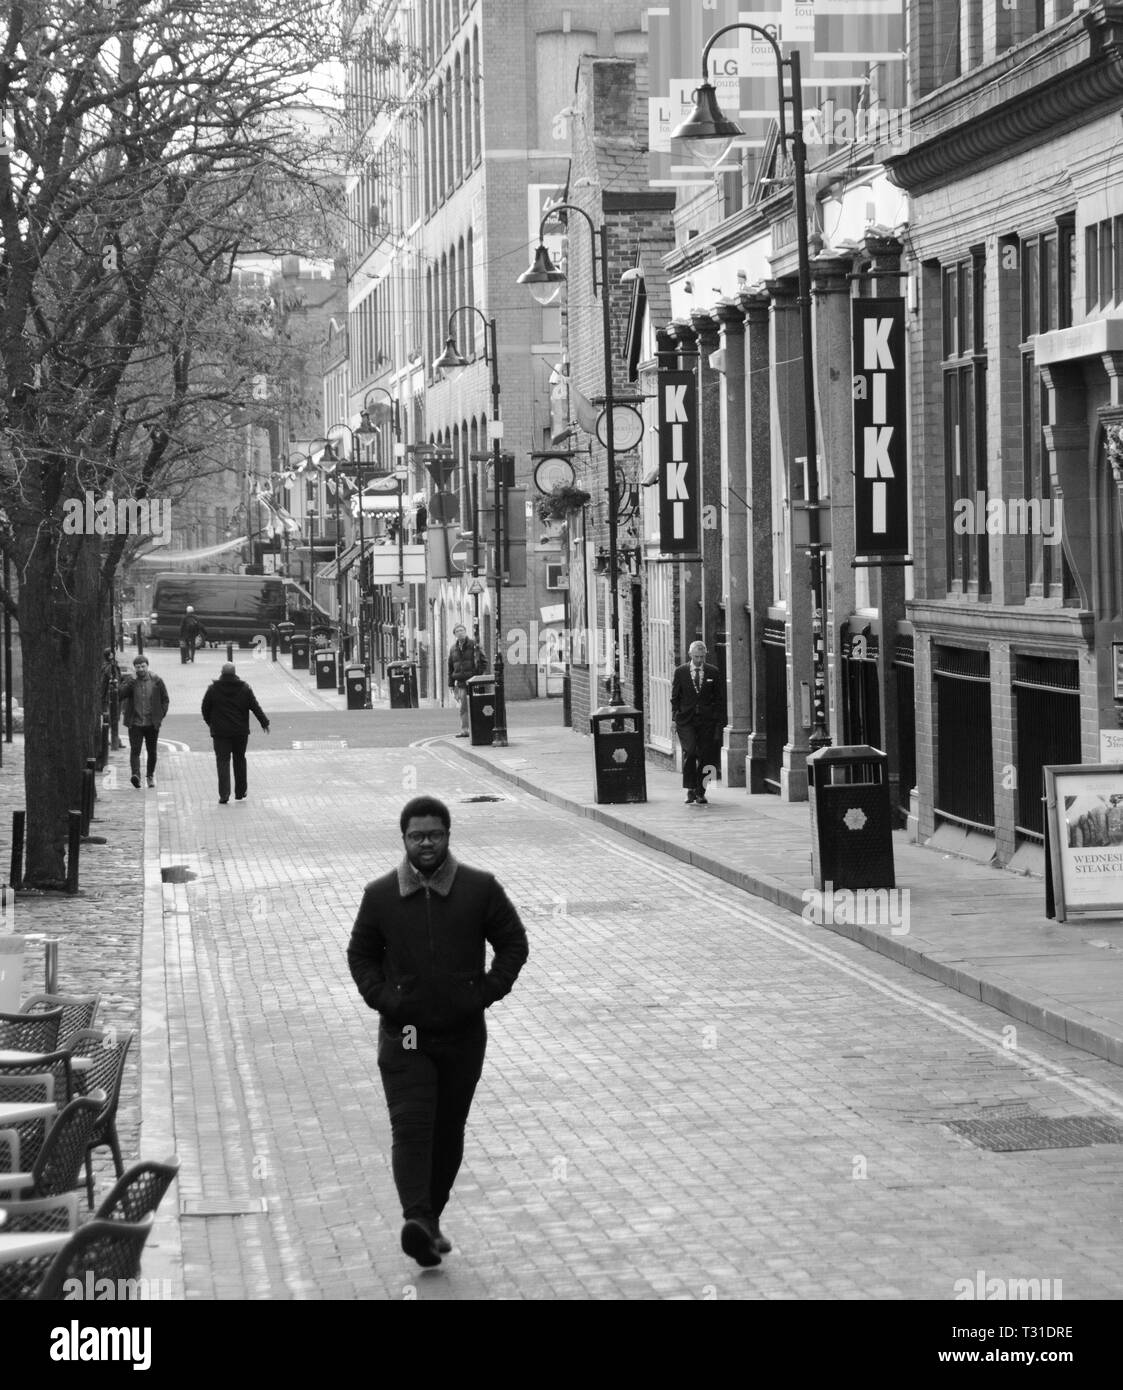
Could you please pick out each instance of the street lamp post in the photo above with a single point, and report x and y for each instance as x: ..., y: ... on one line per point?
x: 330, y: 455
x: 451, y: 360
x: 711, y: 132
x: 543, y: 278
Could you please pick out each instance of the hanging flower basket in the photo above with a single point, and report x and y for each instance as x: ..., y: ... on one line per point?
x: 558, y: 504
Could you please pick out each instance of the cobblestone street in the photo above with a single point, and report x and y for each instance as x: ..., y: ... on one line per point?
x: 690, y: 1094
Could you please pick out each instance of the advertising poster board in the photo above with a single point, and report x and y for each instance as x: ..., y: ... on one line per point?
x: 1084, y: 827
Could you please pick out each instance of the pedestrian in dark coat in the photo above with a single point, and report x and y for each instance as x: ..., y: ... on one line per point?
x: 417, y: 954
x: 144, y: 705
x: 227, y: 706
x: 465, y: 660
x: 191, y: 630
x: 698, y: 707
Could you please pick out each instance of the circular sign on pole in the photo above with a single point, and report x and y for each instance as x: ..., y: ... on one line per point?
x: 627, y: 427
x: 461, y: 555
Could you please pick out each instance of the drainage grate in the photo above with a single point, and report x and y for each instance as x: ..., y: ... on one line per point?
x: 1017, y: 1133
x: 485, y: 796
x: 336, y: 743
x: 222, y: 1206
x: 178, y: 873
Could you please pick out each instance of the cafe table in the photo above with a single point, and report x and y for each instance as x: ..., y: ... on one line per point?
x: 30, y: 1245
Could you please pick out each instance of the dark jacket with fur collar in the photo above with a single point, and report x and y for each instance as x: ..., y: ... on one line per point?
x: 417, y: 947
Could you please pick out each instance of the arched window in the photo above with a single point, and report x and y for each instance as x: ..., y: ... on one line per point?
x: 457, y: 122
x: 432, y: 343
x: 466, y: 107
x: 462, y: 280
x: 477, y: 83
x: 444, y: 304
x: 449, y: 98
x: 454, y: 300
x: 470, y: 289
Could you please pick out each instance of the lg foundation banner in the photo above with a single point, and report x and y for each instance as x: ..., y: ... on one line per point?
x: 679, y: 475
x: 881, y: 502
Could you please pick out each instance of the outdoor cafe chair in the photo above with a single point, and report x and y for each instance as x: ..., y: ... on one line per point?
x: 31, y: 1032
x: 99, y: 1250
x: 107, y: 1053
x: 132, y: 1197
x: 78, y: 1012
x: 47, y: 1079
x: 58, y: 1164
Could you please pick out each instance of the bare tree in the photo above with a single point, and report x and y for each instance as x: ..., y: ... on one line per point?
x: 145, y: 147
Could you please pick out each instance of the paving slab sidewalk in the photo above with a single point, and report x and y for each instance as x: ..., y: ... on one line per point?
x: 979, y: 929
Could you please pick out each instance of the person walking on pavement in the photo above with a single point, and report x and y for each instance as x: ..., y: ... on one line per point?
x: 465, y: 660
x: 417, y: 954
x: 227, y: 706
x: 190, y: 631
x: 144, y: 705
x: 698, y: 708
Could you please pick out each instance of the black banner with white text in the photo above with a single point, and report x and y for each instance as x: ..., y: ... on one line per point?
x: 679, y: 474
x: 881, y: 502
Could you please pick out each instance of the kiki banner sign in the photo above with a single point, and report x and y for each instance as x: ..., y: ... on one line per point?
x: 881, y: 503
x: 679, y: 477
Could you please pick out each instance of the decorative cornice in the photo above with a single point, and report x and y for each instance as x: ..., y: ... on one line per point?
x: 1050, y: 84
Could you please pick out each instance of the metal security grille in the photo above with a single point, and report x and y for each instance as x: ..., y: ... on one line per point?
x: 775, y: 701
x: 964, y: 754
x: 906, y: 719
x: 1047, y: 714
x: 1018, y: 1133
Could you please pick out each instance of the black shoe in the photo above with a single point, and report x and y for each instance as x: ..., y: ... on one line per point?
x: 700, y: 799
x: 152, y: 781
x: 239, y: 796
x: 135, y: 779
x: 441, y: 1242
x: 223, y: 800
x: 691, y: 797
x: 418, y: 1244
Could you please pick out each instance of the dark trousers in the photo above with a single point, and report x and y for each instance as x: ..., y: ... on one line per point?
x: 224, y: 750
x: 429, y: 1090
x: 701, y: 748
x: 186, y: 652
x: 142, y: 735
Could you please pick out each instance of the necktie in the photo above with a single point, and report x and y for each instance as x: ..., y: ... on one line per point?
x: 698, y: 679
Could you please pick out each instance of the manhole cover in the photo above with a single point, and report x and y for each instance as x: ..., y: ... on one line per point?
x: 178, y: 873
x: 1016, y: 1133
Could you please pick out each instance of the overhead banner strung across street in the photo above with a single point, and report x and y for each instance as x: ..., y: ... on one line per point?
x: 679, y: 474
x: 881, y: 502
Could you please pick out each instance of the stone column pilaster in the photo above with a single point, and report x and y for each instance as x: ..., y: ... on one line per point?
x: 758, y: 491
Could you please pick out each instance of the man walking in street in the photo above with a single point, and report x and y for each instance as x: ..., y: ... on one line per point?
x: 698, y: 707
x: 144, y: 705
x: 226, y: 708
x: 465, y: 660
x: 190, y: 631
x: 417, y: 954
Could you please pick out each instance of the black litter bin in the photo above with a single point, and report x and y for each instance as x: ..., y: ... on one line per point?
x: 358, y: 687
x: 481, y: 709
x: 301, y: 647
x: 851, y: 821
x: 618, y: 756
x: 285, y: 632
x: 402, y: 678
x: 327, y: 674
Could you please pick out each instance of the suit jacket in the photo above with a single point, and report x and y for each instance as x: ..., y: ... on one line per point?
x: 690, y: 706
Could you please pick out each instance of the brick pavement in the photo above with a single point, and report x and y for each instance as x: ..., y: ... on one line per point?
x: 689, y: 1095
x: 980, y: 930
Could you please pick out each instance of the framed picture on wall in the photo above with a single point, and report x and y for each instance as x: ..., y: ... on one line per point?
x: 1084, y: 827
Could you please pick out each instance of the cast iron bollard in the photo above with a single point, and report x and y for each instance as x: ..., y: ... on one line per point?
x: 15, y: 874
x: 103, y: 745
x: 851, y: 820
x: 74, y: 844
x: 140, y: 639
x: 230, y: 651
x: 618, y: 755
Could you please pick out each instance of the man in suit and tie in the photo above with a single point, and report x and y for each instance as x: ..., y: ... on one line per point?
x: 698, y: 707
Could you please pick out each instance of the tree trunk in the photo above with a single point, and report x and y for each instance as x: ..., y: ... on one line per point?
x: 59, y: 637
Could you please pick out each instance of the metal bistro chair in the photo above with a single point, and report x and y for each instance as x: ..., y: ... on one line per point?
x: 107, y: 1055
x: 139, y: 1192
x: 78, y: 1011
x: 99, y: 1250
x: 31, y: 1032
x: 58, y: 1164
x: 47, y: 1079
